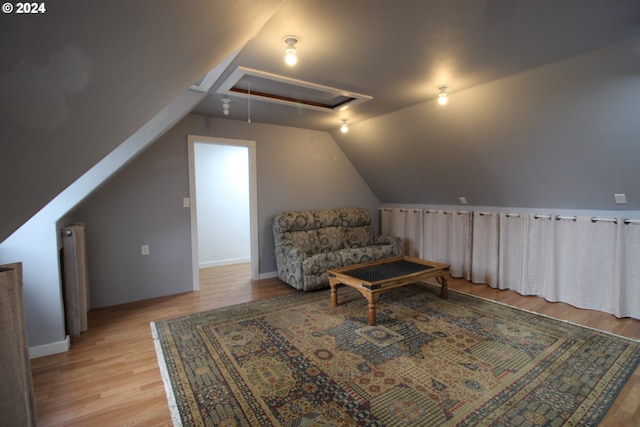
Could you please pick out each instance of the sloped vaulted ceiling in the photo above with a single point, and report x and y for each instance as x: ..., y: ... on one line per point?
x: 401, y: 52
x: 526, y: 78
x: 565, y: 135
x: 78, y: 79
x: 543, y: 96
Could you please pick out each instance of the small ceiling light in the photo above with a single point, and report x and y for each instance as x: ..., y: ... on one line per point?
x: 345, y: 127
x: 225, y: 106
x: 442, y: 96
x: 291, y: 56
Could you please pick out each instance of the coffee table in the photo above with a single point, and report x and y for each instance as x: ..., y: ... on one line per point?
x: 371, y: 279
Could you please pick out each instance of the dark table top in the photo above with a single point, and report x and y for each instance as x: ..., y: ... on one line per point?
x: 375, y: 273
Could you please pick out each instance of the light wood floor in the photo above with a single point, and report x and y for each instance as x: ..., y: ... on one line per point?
x: 110, y: 377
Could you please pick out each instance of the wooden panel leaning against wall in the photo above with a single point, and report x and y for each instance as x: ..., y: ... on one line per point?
x: 17, y: 401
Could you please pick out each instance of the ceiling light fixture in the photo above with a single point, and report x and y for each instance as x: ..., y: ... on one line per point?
x: 291, y: 56
x: 225, y: 106
x: 345, y: 127
x: 442, y: 96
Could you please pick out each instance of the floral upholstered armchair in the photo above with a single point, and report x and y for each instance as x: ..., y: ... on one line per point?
x: 308, y: 243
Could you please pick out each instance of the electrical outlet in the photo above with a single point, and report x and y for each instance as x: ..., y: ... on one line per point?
x: 621, y: 199
x: 463, y: 200
x: 144, y: 249
x: 186, y: 202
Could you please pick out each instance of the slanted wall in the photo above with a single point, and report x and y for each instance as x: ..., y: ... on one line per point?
x: 296, y: 169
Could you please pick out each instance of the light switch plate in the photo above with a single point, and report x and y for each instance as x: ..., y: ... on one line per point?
x: 144, y: 249
x: 621, y: 199
x: 186, y: 202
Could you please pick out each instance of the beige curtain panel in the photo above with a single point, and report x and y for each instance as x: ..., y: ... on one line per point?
x: 585, y: 261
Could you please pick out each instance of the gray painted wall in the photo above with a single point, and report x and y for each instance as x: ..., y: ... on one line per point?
x: 297, y: 169
x: 76, y: 81
x: 561, y: 136
x: 142, y: 204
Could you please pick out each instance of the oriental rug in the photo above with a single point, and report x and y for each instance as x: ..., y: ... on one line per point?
x: 295, y: 360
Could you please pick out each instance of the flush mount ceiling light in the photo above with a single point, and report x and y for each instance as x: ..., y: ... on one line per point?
x: 291, y: 56
x: 225, y: 106
x: 442, y: 96
x: 345, y: 127
x: 285, y: 90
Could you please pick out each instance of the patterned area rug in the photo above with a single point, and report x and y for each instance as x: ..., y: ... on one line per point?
x: 297, y: 361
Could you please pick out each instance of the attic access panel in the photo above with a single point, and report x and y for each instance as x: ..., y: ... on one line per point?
x: 278, y: 89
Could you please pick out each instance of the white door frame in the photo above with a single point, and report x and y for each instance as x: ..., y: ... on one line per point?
x: 253, y: 202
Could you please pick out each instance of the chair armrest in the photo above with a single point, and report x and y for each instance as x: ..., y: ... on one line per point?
x: 289, y: 262
x: 387, y: 240
x: 291, y: 253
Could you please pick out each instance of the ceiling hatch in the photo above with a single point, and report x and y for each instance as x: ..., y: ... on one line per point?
x: 260, y: 85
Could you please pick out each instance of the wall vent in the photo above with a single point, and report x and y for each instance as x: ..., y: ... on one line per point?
x: 270, y: 87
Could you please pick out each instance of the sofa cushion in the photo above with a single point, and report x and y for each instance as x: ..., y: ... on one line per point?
x: 326, y: 218
x: 320, y: 263
x: 354, y: 217
x: 356, y: 256
x: 307, y: 241
x: 358, y: 237
x: 331, y: 238
x: 293, y: 221
x: 384, y: 251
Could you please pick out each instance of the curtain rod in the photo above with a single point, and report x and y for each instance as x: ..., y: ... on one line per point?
x: 517, y: 215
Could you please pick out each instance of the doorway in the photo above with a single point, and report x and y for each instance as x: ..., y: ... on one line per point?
x: 223, y: 199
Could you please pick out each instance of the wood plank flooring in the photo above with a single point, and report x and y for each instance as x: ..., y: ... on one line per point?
x: 110, y: 376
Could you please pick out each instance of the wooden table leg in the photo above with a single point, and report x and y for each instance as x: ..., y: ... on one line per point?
x: 372, y: 311
x: 334, y: 293
x: 444, y: 288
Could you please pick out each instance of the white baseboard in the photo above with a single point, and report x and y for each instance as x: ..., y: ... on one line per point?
x: 48, y: 349
x: 220, y: 263
x: 269, y: 275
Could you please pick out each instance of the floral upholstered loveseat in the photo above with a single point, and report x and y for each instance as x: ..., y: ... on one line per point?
x: 308, y: 243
